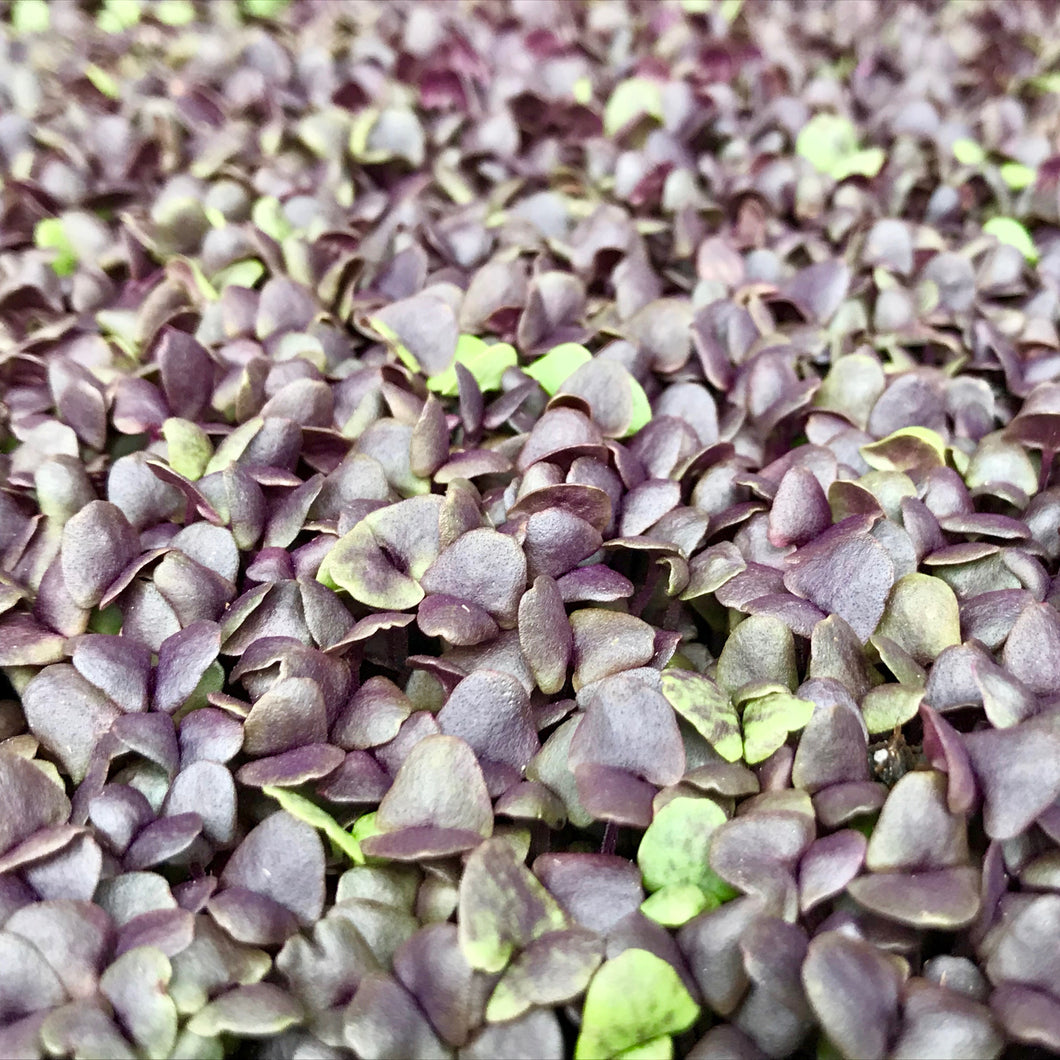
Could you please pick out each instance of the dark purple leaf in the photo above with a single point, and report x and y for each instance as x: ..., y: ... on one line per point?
x: 67, y: 715
x: 27, y: 982
x: 98, y: 542
x: 187, y: 374
x: 828, y: 865
x: 438, y: 789
x: 916, y: 830
x: 942, y: 900
x: 383, y: 1020
x: 845, y: 572
x: 483, y: 567
x: 457, y: 621
x: 1018, y: 770
x: 182, y: 660
x: 490, y: 711
x: 431, y: 966
x: 629, y: 726
x: 251, y: 917
x: 282, y: 859
x: 291, y: 768
x: 608, y: 642
x: 854, y: 991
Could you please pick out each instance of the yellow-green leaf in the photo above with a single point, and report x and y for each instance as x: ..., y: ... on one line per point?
x: 1010, y: 231
x: 50, y: 233
x: 558, y: 365
x: 30, y: 16
x: 968, y: 152
x: 639, y: 97
x: 1016, y: 175
x: 633, y: 1001
x: 486, y: 363
x: 306, y: 810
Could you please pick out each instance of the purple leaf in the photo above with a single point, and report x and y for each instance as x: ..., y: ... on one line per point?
x: 98, y: 543
x: 491, y: 712
x: 291, y: 768
x: 431, y: 966
x: 251, y: 917
x: 629, y: 726
x: 457, y: 621
x: 439, y: 788
x: 1018, y: 770
x: 182, y: 660
x: 384, y: 1020
x: 916, y: 831
x: 608, y: 642
x: 282, y: 859
x: 290, y: 715
x: 854, y: 991
x: 828, y: 865
x: 118, y: 666
x: 483, y: 567
x: 426, y: 327
x: 845, y: 572
x: 1032, y: 650
x: 67, y: 715
x: 941, y: 900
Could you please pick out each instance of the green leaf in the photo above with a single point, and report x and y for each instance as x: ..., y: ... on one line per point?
x: 922, y: 616
x: 676, y: 904
x: 212, y: 680
x: 552, y: 969
x: 365, y: 827
x: 265, y: 8
x: 267, y: 214
x: 174, y: 12
x: 968, y: 152
x: 206, y: 289
x: 661, y: 1048
x: 1046, y: 83
x: 232, y: 445
x: 641, y: 409
x: 50, y: 233
x: 188, y: 446
x: 30, y: 16
x: 305, y: 810
x: 485, y: 362
x: 634, y: 1000
x: 391, y: 339
x: 864, y: 163
x: 636, y: 98
x: 558, y: 365
x: 1017, y: 176
x: 707, y: 708
x: 240, y: 274
x: 768, y: 720
x: 730, y: 9
x: 359, y: 565
x: 126, y: 12
x: 1010, y: 231
x: 109, y: 620
x: 886, y: 706
x: 582, y: 90
x: 676, y: 845
x: 761, y: 648
x: 826, y: 141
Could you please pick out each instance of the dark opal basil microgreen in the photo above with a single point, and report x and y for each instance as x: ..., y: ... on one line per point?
x: 529, y: 530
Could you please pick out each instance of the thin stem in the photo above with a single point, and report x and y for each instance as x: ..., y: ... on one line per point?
x: 610, y: 838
